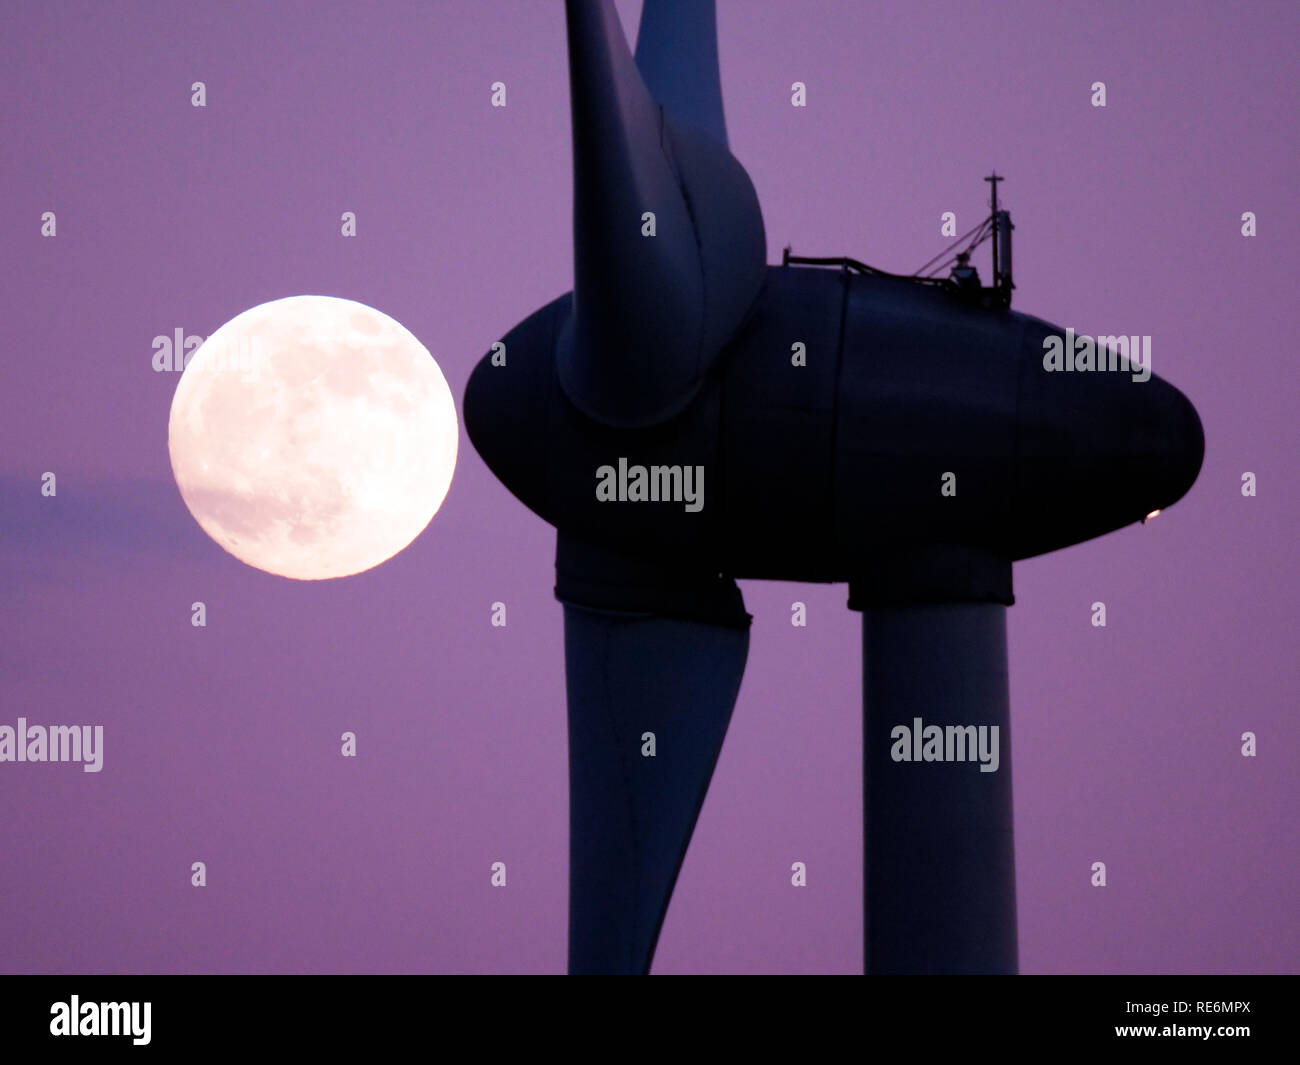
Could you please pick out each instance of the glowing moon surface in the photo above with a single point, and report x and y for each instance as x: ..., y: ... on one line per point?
x: 313, y: 437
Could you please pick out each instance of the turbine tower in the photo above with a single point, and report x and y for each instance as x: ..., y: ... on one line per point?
x: 656, y: 418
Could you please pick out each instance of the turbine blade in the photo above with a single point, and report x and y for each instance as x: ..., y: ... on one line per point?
x: 631, y: 673
x: 655, y: 299
x: 677, y: 54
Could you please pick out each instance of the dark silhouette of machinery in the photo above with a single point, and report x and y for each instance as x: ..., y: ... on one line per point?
x: 689, y: 415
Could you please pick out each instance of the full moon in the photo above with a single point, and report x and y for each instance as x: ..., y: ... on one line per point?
x: 313, y: 437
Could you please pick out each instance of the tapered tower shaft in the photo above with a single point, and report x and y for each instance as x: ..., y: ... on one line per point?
x: 940, y: 885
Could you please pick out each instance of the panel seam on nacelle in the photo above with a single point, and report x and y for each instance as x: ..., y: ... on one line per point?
x: 845, y: 281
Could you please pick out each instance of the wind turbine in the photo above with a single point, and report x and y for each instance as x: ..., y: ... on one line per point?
x: 920, y: 448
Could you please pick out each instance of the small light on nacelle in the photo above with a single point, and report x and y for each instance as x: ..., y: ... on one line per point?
x: 1150, y: 516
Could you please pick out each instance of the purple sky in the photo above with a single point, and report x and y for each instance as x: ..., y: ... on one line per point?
x: 222, y: 744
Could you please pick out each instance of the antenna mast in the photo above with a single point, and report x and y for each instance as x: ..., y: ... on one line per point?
x: 993, y: 180
x: 1002, y: 283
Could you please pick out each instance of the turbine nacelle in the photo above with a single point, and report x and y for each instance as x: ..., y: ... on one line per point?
x: 912, y: 418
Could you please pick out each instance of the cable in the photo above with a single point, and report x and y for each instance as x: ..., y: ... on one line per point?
x: 953, y: 245
x: 947, y: 262
x: 845, y: 263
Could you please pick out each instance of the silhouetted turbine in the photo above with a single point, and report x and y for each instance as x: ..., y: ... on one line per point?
x: 674, y: 352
